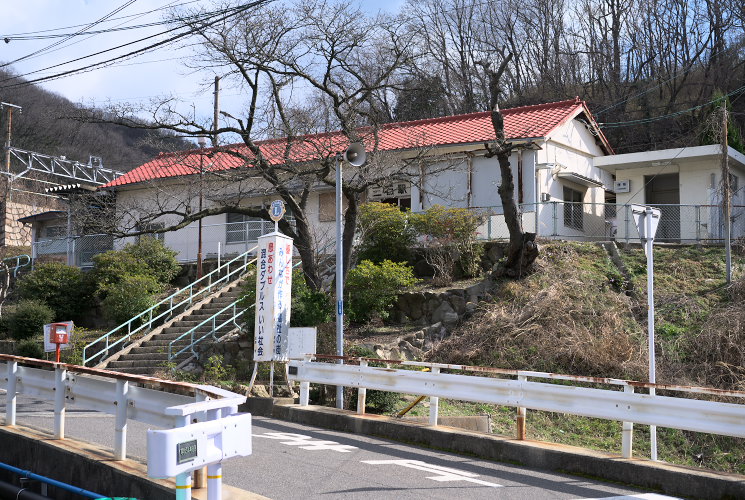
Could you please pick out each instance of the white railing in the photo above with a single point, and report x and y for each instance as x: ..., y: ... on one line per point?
x: 620, y: 402
x: 182, y: 298
x: 162, y: 403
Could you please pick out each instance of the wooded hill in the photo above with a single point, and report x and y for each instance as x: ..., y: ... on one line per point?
x: 45, y: 126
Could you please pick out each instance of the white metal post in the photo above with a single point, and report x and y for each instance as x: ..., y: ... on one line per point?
x: 183, y: 480
x: 627, y: 431
x: 120, y: 429
x: 339, y: 281
x: 434, y: 403
x: 521, y: 415
x: 60, y: 374
x: 11, y: 396
x: 361, y: 394
x: 649, y: 243
x: 304, y: 393
x: 214, y: 471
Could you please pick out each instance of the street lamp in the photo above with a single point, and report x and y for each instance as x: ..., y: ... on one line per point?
x: 356, y: 156
x: 202, y: 141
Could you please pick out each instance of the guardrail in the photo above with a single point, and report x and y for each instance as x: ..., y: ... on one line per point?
x: 621, y: 404
x: 223, y: 274
x: 161, y: 403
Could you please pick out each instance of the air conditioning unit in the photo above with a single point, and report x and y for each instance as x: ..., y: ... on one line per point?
x: 622, y: 186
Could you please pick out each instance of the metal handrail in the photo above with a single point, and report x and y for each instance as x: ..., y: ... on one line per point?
x: 18, y: 264
x: 212, y: 319
x: 215, y: 327
x: 147, y: 317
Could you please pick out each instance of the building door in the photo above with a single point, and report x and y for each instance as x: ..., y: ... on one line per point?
x: 663, y: 191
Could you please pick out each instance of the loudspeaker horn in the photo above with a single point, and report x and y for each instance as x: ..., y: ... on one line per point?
x: 355, y: 154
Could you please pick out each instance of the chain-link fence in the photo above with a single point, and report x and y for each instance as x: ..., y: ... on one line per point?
x: 607, y: 221
x: 218, y: 241
x: 554, y: 219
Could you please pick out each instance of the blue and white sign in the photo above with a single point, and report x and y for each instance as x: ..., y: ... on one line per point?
x: 277, y: 210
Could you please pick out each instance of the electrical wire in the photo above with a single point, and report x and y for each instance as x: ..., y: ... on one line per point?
x: 69, y: 37
x: 607, y: 125
x: 228, y: 14
x: 27, y: 35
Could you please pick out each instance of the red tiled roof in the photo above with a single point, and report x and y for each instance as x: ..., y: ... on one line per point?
x: 520, y: 123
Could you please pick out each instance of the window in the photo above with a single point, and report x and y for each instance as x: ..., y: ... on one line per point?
x: 573, y: 212
x: 242, y: 228
x: 54, y: 232
x: 152, y: 227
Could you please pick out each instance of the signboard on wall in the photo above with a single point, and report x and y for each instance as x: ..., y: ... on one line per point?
x: 273, y: 288
x: 395, y: 189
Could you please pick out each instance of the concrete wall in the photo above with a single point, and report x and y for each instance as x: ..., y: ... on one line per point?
x: 84, y: 465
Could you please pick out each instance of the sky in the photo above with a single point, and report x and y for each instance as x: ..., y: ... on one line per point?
x: 137, y: 80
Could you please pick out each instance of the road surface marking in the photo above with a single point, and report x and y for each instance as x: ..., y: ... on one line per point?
x: 643, y: 496
x: 444, y: 474
x: 306, y: 442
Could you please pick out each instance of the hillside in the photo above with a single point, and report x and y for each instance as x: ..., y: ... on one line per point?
x: 44, y: 126
x: 574, y: 316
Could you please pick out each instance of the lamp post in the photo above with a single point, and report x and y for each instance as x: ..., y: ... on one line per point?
x: 202, y: 141
x: 356, y: 156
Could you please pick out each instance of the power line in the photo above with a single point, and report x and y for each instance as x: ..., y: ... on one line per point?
x: 69, y: 37
x: 670, y: 115
x: 27, y: 35
x: 230, y: 12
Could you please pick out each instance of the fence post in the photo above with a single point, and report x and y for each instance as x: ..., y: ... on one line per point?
x: 698, y: 224
x: 11, y: 396
x: 555, y: 217
x: 60, y: 374
x: 361, y: 394
x: 626, y: 221
x: 120, y: 429
x: 434, y: 402
x: 628, y: 430
x: 521, y: 413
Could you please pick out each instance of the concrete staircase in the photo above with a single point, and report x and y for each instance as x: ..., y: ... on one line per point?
x: 150, y: 355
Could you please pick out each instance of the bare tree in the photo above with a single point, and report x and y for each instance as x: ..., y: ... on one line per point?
x: 522, y: 250
x: 328, y: 55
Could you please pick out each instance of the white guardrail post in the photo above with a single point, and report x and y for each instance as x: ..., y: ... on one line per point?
x: 120, y: 425
x: 628, y: 430
x: 183, y: 480
x: 60, y: 387
x: 11, y: 397
x: 521, y: 415
x: 361, y: 394
x: 434, y: 403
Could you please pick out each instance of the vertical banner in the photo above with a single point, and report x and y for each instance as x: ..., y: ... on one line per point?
x: 273, y: 287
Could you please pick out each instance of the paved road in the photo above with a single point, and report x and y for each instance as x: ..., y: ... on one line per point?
x: 298, y: 461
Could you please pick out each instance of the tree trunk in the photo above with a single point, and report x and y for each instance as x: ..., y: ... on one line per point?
x: 522, y: 250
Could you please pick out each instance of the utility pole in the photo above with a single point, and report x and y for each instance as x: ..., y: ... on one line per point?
x: 726, y: 197
x: 10, y: 108
x: 217, y: 112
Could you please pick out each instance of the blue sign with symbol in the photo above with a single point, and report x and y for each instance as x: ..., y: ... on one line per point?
x: 276, y: 210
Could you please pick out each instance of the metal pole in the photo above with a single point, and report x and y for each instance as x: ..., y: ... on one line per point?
x: 60, y: 375
x: 726, y: 200
x: 649, y: 243
x: 120, y: 426
x: 339, y: 281
x: 201, y: 196
x: 11, y: 395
